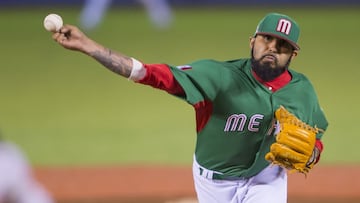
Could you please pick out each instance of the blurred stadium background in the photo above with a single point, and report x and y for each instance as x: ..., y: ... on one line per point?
x: 65, y: 110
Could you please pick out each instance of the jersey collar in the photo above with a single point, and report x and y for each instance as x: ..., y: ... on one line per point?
x: 277, y: 83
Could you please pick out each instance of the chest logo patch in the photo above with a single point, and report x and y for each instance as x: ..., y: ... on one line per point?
x: 240, y: 122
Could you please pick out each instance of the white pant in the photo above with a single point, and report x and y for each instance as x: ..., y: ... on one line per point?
x: 16, y: 177
x: 269, y: 186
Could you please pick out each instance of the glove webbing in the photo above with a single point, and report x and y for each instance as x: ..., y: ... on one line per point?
x: 284, y: 116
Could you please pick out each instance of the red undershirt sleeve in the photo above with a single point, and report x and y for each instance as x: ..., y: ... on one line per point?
x: 319, y: 145
x: 160, y: 76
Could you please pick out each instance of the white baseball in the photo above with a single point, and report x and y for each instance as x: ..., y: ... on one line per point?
x: 53, y: 22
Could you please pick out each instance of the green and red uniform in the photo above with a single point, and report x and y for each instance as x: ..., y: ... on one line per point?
x: 235, y: 110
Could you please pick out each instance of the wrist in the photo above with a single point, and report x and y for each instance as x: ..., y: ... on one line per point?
x: 89, y: 47
x: 314, y: 157
x: 138, y: 71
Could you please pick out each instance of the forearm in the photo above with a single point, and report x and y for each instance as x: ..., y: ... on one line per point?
x: 115, y: 62
x: 70, y: 37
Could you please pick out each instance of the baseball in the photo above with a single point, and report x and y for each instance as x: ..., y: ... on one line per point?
x: 53, y: 22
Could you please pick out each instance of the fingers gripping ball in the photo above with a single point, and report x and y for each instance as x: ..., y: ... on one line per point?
x: 294, y: 144
x: 53, y: 22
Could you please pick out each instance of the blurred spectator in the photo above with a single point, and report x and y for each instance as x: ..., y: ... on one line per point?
x: 17, y: 183
x: 159, y: 12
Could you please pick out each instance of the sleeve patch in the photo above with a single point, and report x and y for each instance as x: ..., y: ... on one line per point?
x: 184, y: 67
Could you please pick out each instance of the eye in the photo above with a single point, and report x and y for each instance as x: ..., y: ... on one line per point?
x: 285, y: 45
x: 268, y: 37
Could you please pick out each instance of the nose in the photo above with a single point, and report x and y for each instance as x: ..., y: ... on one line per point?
x: 273, y: 45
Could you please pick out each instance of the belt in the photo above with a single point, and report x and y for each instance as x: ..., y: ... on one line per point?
x: 213, y: 175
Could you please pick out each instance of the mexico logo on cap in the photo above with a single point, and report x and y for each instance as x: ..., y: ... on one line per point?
x: 284, y: 26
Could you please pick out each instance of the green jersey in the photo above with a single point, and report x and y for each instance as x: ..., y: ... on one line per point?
x: 239, y: 125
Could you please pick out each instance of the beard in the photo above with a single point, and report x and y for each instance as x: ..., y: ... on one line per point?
x: 265, y: 71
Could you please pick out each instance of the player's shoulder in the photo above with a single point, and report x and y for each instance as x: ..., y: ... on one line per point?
x: 203, y: 65
x: 301, y: 78
x: 220, y: 64
x: 212, y: 62
x: 298, y: 76
x: 214, y: 67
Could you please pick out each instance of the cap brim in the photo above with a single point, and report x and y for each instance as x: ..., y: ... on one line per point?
x: 278, y: 36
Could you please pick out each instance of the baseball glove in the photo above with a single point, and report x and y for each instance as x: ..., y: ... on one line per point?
x: 295, y: 143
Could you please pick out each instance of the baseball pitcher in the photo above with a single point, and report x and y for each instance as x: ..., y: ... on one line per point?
x: 256, y: 118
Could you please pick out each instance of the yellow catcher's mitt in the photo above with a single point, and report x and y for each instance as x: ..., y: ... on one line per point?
x: 294, y: 144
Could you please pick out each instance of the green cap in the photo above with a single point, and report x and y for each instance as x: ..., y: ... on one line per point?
x: 281, y: 26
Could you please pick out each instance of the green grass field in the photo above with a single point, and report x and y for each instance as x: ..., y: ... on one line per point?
x: 63, y: 108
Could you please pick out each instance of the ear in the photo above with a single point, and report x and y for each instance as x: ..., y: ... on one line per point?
x: 294, y: 54
x: 252, y: 41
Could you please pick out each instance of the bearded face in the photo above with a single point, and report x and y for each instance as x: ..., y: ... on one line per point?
x: 267, y: 70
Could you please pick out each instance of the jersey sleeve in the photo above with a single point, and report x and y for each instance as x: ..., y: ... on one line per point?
x: 320, y: 121
x: 318, y: 116
x: 200, y: 80
x: 309, y: 109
